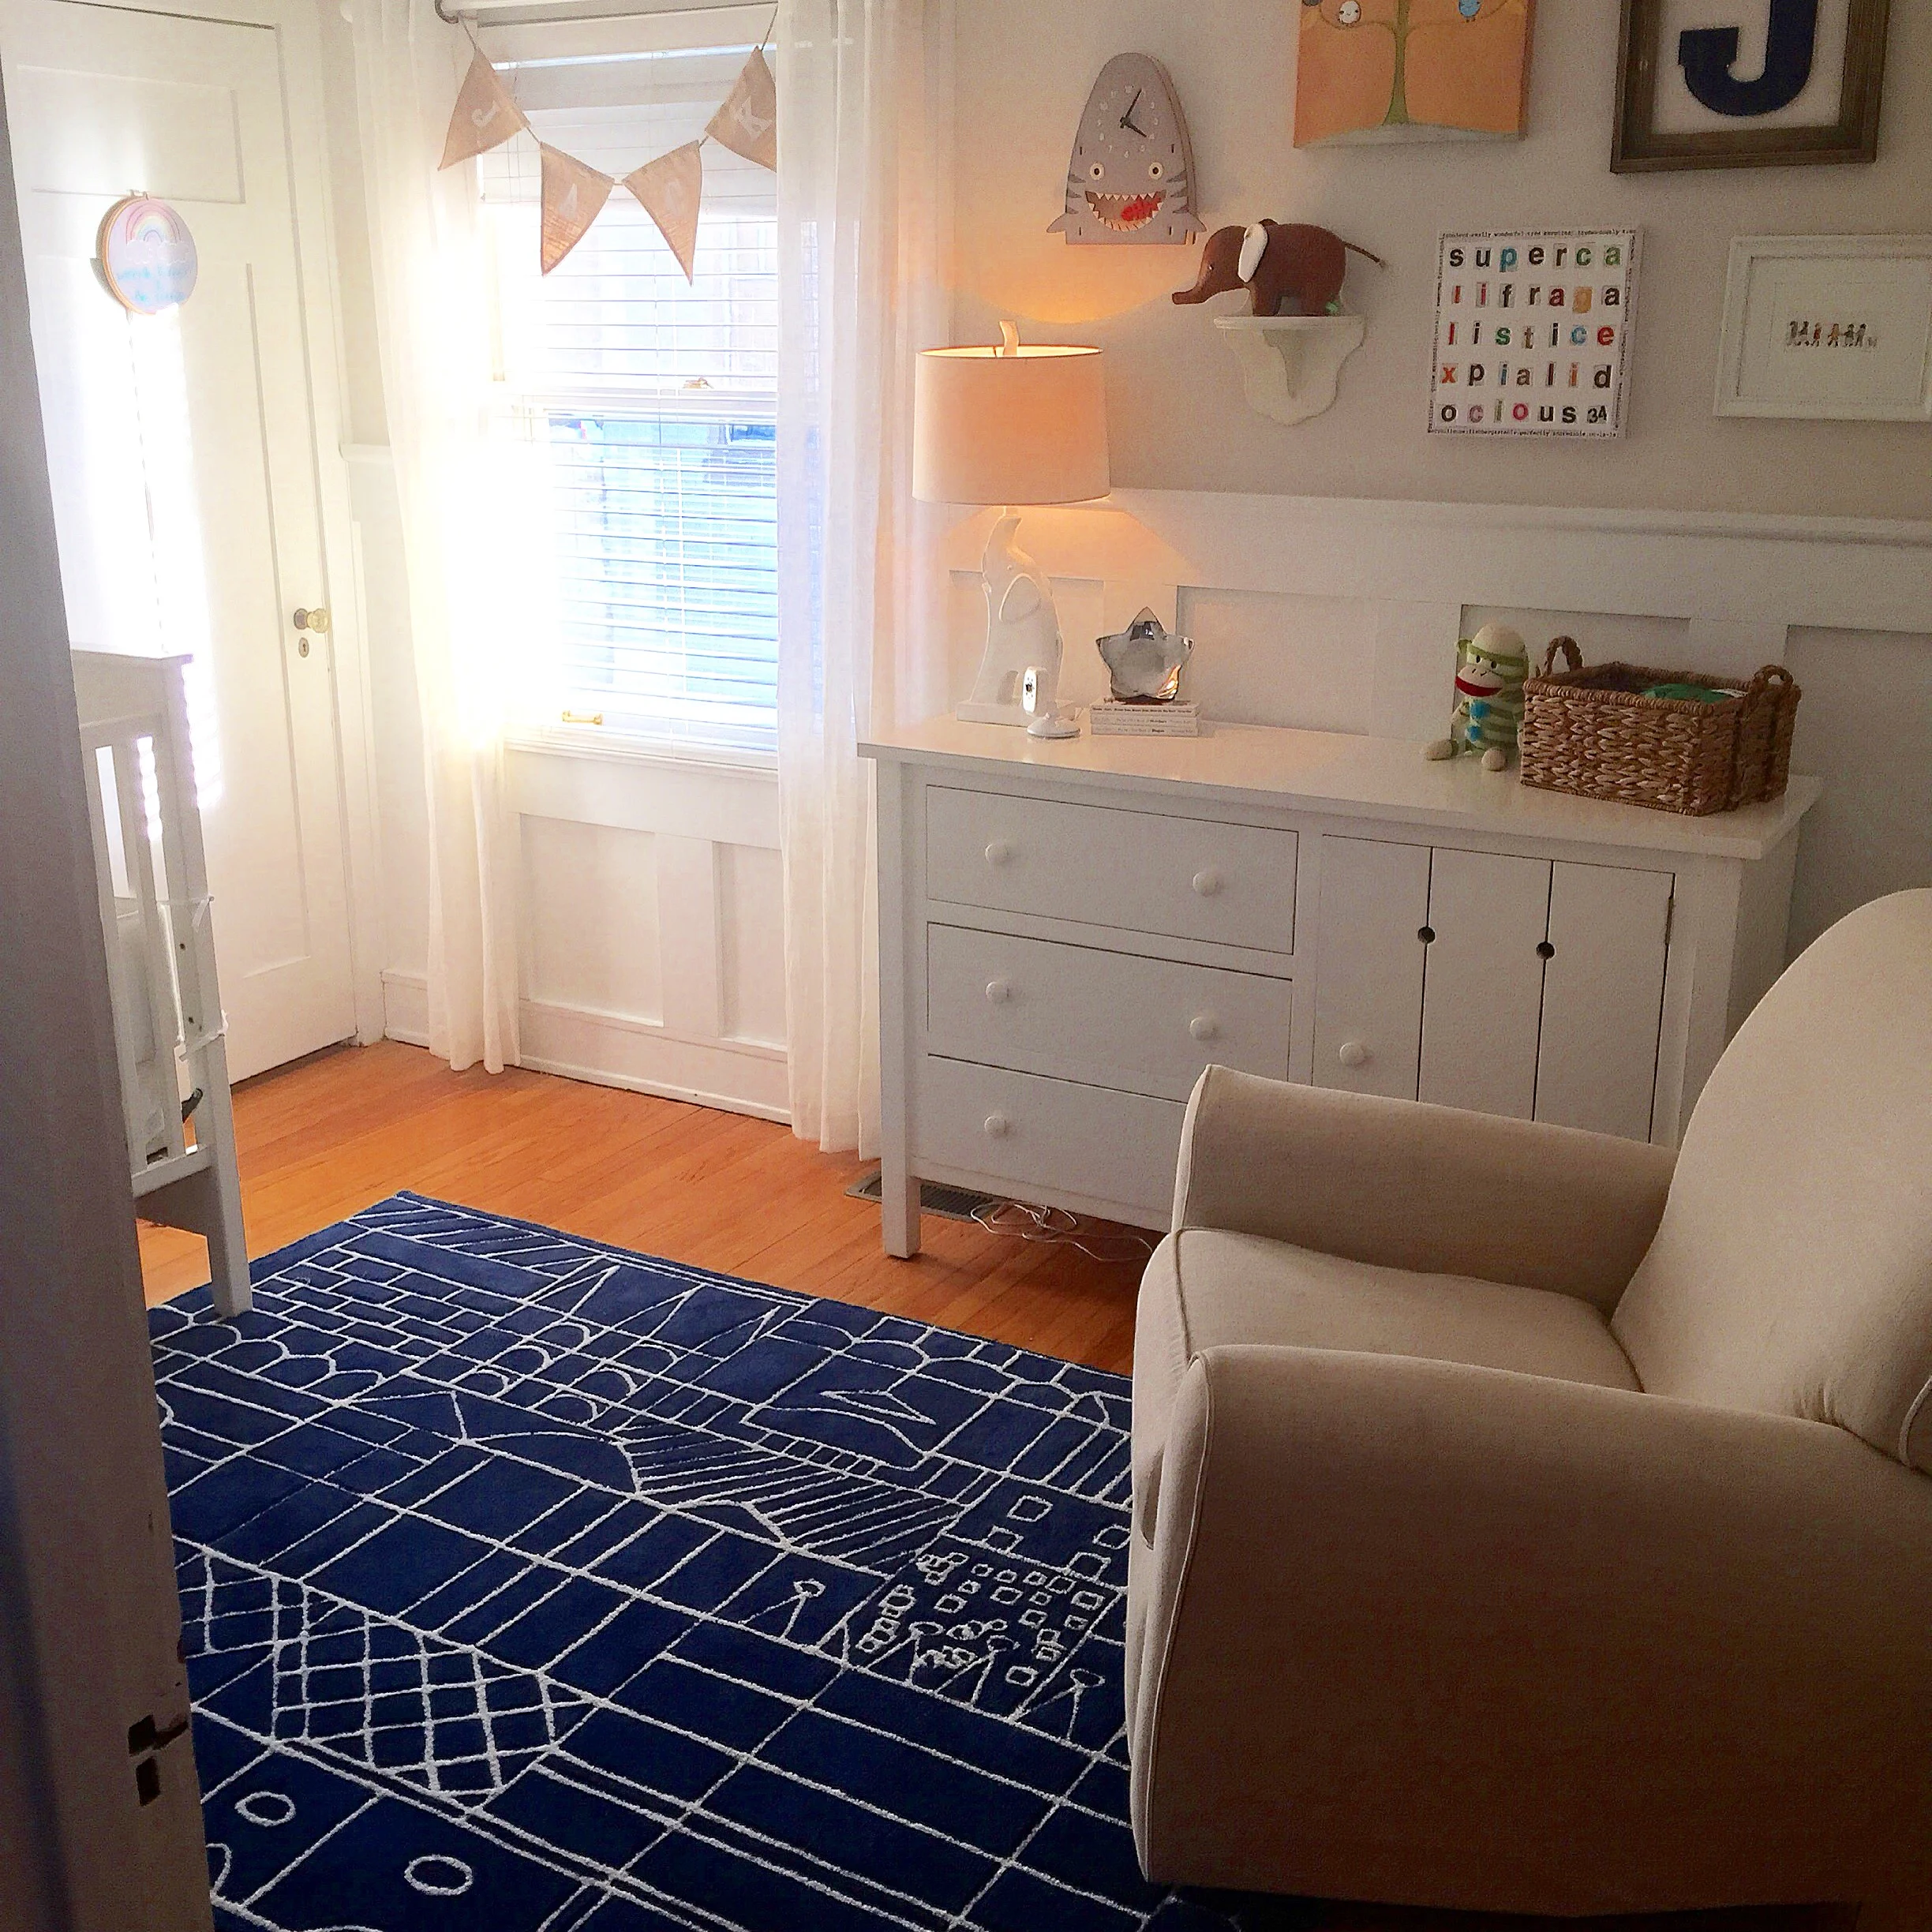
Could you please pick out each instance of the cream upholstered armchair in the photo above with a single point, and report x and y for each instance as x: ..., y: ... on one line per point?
x: 1526, y: 1522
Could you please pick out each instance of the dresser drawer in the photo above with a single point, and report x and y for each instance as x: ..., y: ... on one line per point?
x: 1076, y: 1012
x: 1192, y: 878
x: 1042, y: 1136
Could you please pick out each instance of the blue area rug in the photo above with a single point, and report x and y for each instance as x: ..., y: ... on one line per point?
x: 532, y: 1584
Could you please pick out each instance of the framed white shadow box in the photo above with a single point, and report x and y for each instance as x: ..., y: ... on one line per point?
x: 1836, y: 327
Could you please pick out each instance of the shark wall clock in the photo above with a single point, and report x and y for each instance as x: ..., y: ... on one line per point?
x: 1131, y: 177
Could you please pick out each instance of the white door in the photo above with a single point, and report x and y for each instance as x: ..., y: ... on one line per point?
x: 1483, y: 994
x: 1602, y: 998
x: 183, y: 453
x: 1368, y: 984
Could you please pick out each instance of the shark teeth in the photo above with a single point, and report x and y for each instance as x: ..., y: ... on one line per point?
x: 1125, y: 213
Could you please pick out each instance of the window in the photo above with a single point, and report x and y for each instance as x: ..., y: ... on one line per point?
x: 649, y: 404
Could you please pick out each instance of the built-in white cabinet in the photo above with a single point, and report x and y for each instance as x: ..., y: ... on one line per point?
x: 1508, y: 984
x: 1069, y: 932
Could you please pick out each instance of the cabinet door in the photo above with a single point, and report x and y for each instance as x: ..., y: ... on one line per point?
x: 1484, y: 989
x: 1368, y: 991
x: 1602, y: 998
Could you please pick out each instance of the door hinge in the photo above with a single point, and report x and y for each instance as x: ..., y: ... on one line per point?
x: 146, y: 1741
x: 1670, y: 919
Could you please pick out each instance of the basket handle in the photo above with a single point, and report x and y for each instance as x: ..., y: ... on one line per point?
x: 1763, y: 680
x: 1568, y: 647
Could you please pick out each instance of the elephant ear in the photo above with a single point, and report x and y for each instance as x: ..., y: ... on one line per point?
x: 1022, y: 599
x: 1254, y: 245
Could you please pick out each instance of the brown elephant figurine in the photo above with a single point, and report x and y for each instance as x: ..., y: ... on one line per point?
x: 1279, y: 262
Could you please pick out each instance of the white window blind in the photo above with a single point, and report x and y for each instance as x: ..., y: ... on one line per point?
x: 650, y: 402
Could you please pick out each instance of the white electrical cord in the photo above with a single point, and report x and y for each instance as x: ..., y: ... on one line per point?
x: 1055, y: 1227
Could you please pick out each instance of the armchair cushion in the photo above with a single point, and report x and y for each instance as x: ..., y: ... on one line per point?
x: 1433, y: 1189
x: 1206, y: 1290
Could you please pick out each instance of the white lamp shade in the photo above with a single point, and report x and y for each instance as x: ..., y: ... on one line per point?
x: 1022, y: 426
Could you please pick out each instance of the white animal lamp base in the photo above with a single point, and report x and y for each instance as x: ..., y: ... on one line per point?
x: 1022, y: 634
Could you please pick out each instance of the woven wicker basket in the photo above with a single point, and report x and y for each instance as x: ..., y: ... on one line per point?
x: 1593, y: 733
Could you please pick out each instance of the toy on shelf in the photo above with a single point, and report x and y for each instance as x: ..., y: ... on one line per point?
x: 1278, y: 262
x: 1490, y: 669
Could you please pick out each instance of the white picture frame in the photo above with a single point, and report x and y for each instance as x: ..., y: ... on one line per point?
x: 1834, y: 328
x: 1532, y: 335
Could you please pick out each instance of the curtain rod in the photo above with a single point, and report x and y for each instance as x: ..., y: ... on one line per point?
x: 535, y: 12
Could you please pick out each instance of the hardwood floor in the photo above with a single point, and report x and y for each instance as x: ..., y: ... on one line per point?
x: 329, y: 1135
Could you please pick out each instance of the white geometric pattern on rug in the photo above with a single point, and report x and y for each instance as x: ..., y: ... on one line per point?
x: 534, y: 1585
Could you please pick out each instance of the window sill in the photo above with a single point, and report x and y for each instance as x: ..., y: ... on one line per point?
x: 601, y: 741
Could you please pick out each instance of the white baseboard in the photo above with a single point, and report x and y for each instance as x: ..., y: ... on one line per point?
x: 616, y: 1049
x: 406, y: 1007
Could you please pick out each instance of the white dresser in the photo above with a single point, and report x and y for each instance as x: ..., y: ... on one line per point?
x: 1069, y: 932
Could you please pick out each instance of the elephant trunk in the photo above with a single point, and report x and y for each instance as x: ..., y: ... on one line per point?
x: 1220, y: 266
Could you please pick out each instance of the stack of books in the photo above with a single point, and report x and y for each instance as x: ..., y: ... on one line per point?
x: 1110, y: 718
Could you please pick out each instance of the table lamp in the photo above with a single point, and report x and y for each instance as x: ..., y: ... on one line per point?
x: 1008, y: 425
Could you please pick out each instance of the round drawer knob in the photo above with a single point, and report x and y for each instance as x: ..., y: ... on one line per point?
x: 1203, y: 1026
x: 997, y: 1126
x: 1207, y: 883
x: 1353, y: 1053
x: 999, y: 991
x: 999, y: 852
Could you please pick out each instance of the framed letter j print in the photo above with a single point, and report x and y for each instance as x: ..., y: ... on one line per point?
x: 1714, y: 83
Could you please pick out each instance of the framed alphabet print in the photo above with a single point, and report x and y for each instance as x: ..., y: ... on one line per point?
x: 1833, y: 327
x: 1532, y: 333
x: 1711, y: 83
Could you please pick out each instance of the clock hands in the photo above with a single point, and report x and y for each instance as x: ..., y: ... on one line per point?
x: 1127, y: 120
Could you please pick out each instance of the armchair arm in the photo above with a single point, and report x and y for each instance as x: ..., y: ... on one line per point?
x: 1442, y: 1635
x: 1431, y: 1188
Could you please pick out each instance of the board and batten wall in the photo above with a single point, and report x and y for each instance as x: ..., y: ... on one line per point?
x: 1291, y: 554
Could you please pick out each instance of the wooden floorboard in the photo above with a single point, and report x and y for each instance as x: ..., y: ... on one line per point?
x: 331, y: 1134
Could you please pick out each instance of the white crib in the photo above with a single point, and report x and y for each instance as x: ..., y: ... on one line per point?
x: 156, y: 918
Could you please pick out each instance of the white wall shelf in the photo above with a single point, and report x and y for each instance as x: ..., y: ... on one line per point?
x: 1291, y: 365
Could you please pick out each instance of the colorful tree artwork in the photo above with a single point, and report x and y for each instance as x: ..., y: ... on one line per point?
x: 1376, y: 70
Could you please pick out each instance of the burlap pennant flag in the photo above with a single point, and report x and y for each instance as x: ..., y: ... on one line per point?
x: 573, y: 196
x: 747, y: 124
x: 670, y: 188
x: 485, y: 117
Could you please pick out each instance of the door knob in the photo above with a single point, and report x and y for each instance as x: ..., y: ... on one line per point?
x: 999, y: 852
x: 999, y: 991
x: 316, y: 621
x: 1353, y: 1053
x: 1202, y: 1027
x: 1207, y: 883
x: 997, y: 1126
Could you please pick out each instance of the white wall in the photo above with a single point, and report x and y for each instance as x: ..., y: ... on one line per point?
x: 1174, y: 400
x: 619, y: 997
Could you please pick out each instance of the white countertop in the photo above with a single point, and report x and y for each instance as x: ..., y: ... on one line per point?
x: 1338, y: 773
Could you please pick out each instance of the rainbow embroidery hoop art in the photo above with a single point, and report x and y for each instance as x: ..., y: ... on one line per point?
x: 147, y: 255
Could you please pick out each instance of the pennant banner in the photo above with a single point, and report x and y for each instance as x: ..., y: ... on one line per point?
x: 573, y: 197
x: 485, y: 115
x: 747, y: 124
x: 670, y: 188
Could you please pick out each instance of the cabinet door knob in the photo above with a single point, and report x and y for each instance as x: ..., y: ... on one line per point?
x: 1207, y: 883
x: 999, y: 991
x: 997, y: 1126
x: 1202, y: 1027
x: 1353, y: 1053
x: 999, y: 852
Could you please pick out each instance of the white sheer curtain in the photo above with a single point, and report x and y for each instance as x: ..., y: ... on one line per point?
x: 865, y: 94
x: 433, y: 308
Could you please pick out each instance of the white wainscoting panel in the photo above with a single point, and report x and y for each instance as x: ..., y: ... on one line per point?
x: 1342, y: 616
x: 653, y: 923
